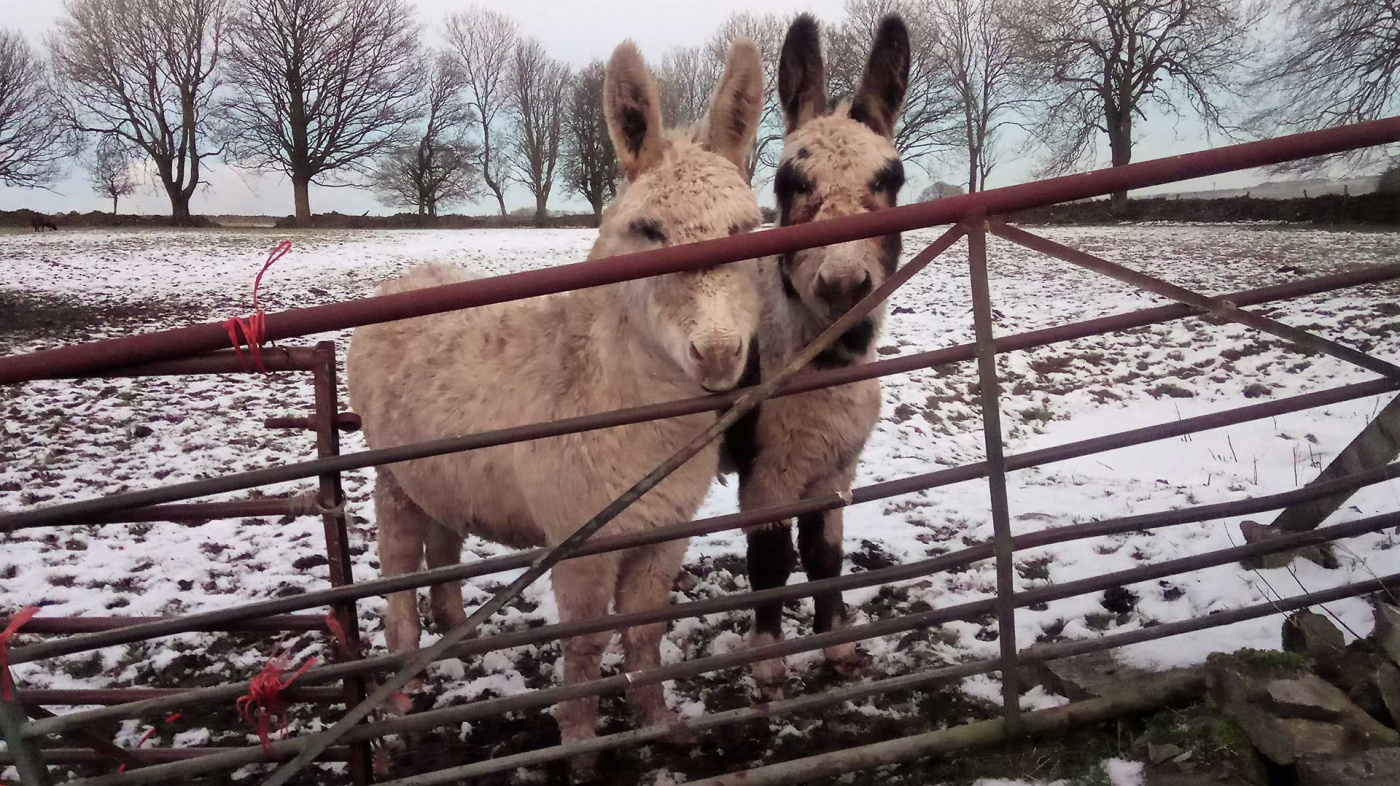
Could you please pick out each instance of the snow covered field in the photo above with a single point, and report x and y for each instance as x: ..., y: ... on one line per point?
x: 63, y: 441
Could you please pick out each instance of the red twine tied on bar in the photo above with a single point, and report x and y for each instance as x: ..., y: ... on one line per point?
x: 149, y: 733
x: 7, y: 689
x: 264, y: 697
x: 252, y: 327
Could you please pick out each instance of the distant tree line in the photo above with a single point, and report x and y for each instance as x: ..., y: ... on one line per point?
x: 347, y: 93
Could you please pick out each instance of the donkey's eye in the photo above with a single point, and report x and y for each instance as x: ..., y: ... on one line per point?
x: 888, y: 180
x: 648, y: 228
x: 790, y: 181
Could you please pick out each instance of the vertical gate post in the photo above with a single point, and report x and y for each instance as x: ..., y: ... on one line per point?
x: 29, y: 762
x: 996, y: 473
x: 331, y: 498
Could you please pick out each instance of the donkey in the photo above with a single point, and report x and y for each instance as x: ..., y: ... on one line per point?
x: 623, y: 345
x: 42, y: 222
x: 836, y: 161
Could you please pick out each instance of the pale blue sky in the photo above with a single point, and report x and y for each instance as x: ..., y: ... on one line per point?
x: 574, y: 30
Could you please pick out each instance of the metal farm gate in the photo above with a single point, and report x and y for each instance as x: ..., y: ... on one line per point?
x: 366, y: 682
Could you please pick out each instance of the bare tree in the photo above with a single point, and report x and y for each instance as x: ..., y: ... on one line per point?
x: 590, y: 163
x: 1106, y: 60
x: 485, y: 41
x: 144, y: 71
x: 318, y: 88
x: 686, y: 76
x: 1339, y: 63
x: 767, y: 31
x: 109, y: 170
x: 975, y: 48
x: 537, y: 86
x: 30, y: 154
x: 929, y: 124
x: 442, y: 167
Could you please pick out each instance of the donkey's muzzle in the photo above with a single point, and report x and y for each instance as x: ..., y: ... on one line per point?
x: 718, y: 360
x: 843, y: 290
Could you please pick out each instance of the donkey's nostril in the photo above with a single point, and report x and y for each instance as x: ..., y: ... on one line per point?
x: 738, y: 348
x: 695, y: 353
x: 863, y: 288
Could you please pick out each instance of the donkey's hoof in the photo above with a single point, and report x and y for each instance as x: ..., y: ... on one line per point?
x: 771, y: 678
x: 847, y: 661
x: 769, y: 692
x: 583, y: 769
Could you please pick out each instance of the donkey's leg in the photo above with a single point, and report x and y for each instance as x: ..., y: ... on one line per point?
x: 442, y: 548
x: 645, y: 582
x: 819, y: 541
x: 401, y: 527
x: 582, y: 588
x: 770, y: 561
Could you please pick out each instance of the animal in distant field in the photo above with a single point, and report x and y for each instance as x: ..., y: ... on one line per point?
x: 835, y: 162
x: 654, y: 339
x: 42, y: 222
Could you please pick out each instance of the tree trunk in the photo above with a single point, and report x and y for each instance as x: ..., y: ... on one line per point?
x: 1120, y: 145
x: 114, y: 204
x: 301, y: 190
x: 541, y: 211
x: 180, y: 208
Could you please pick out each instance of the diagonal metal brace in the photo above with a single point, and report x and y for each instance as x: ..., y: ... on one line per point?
x: 1222, y: 309
x: 316, y: 744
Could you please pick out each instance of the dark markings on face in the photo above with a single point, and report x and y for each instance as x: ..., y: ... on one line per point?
x: 891, y: 246
x: 850, y: 348
x: 634, y: 128
x: 788, y: 184
x: 740, y: 447
x: 742, y: 227
x: 888, y: 180
x: 785, y: 264
x: 649, y: 229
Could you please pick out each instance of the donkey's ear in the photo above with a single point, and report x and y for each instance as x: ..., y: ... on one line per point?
x: 633, y: 111
x: 801, y: 75
x: 731, y: 126
x: 880, y: 97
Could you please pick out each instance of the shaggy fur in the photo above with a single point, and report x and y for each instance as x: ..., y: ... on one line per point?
x: 834, y: 163
x: 659, y: 339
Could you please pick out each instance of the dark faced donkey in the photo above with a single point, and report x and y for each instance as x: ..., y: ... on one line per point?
x: 837, y: 161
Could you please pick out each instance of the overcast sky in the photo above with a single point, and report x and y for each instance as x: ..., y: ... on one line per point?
x: 575, y: 30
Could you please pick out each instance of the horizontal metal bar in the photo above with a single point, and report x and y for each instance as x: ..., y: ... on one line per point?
x: 84, y: 697
x: 74, y: 512
x: 224, y: 361
x: 92, y: 358
x: 879, y: 491
x: 71, y: 756
x: 77, y: 625
x: 835, y: 697
x: 344, y: 421
x: 1221, y: 309
x: 303, y: 505
x: 548, y: 696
